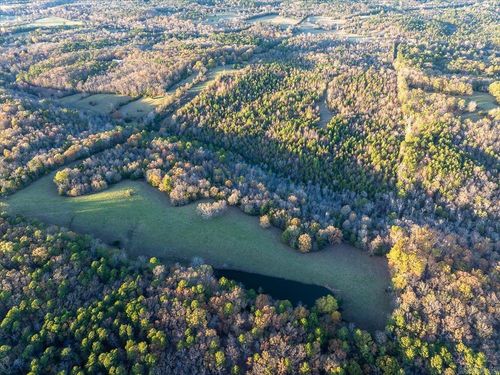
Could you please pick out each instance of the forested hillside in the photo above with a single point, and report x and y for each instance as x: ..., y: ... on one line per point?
x: 71, y: 305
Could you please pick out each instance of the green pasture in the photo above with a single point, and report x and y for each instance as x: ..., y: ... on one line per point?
x: 139, y: 218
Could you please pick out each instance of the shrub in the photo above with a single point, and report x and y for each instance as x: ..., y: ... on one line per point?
x: 305, y: 243
x: 331, y: 235
x: 494, y: 90
x: 264, y: 221
x: 211, y: 209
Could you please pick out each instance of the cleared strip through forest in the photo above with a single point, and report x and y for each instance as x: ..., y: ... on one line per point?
x: 141, y: 219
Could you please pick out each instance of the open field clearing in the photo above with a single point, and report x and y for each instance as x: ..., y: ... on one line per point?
x: 72, y: 99
x: 103, y: 103
x: 222, y: 17
x: 6, y: 20
x: 274, y: 19
x: 324, y: 113
x: 145, y: 105
x: 100, y: 103
x: 212, y: 75
x: 308, y: 28
x: 325, y: 21
x: 54, y: 22
x: 141, y: 107
x: 484, y: 101
x: 134, y: 109
x: 4, y: 7
x: 140, y: 218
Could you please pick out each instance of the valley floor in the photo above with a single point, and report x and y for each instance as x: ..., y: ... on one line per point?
x: 140, y: 219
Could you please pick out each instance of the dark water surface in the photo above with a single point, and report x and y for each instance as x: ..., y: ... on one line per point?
x: 278, y: 288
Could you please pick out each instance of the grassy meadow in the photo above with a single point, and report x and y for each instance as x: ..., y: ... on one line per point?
x: 142, y: 106
x: 54, y: 22
x: 102, y: 104
x: 485, y: 103
x: 275, y: 19
x: 211, y: 76
x: 142, y: 220
x: 131, y: 108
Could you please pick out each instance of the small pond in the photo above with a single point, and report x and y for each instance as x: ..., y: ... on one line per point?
x: 293, y: 291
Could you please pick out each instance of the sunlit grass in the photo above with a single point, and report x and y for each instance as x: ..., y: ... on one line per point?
x: 141, y: 219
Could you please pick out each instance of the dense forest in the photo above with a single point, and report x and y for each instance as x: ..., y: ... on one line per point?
x: 372, y: 123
